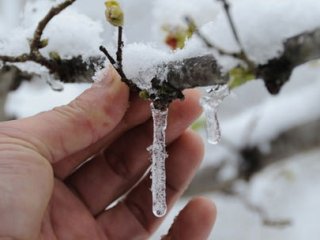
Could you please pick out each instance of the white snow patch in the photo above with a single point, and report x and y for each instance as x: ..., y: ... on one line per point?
x: 37, y: 96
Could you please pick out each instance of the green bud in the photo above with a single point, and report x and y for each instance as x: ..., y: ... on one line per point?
x: 144, y: 94
x: 55, y: 56
x: 239, y: 76
x: 114, y: 13
x: 44, y: 43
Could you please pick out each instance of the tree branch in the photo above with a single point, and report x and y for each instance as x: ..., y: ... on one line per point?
x: 187, y: 73
x: 297, y: 50
x: 203, y: 70
x: 179, y: 75
x: 35, y: 42
x: 21, y: 58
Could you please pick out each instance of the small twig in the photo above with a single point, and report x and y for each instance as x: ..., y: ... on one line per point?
x: 209, y: 44
x: 226, y: 7
x: 114, y: 63
x: 205, y: 40
x: 54, y: 11
x: 119, y: 69
x: 117, y: 64
x: 242, y: 55
x: 10, y: 59
x: 190, y: 21
x: 120, y: 47
x: 110, y: 58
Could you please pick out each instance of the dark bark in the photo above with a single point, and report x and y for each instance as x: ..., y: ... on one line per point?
x: 297, y: 50
x: 179, y: 75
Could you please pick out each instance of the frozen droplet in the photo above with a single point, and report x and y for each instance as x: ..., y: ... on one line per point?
x: 55, y: 85
x: 158, y: 157
x: 210, y: 103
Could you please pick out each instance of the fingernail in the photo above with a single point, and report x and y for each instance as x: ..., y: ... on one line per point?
x: 107, y: 77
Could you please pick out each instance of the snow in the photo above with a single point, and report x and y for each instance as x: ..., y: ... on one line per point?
x: 36, y: 96
x: 10, y: 11
x: 140, y: 61
x: 69, y: 28
x: 248, y: 116
x: 143, y: 61
x: 264, y: 25
x: 293, y: 107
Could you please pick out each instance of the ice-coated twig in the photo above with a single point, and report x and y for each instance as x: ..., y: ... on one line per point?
x: 210, y: 103
x: 158, y: 157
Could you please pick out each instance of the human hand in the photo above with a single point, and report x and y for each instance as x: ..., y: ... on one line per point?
x: 48, y: 189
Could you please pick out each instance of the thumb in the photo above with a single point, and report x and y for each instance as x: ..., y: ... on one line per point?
x: 70, y: 128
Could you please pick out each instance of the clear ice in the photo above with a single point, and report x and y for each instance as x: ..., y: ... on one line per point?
x: 210, y: 103
x: 158, y: 157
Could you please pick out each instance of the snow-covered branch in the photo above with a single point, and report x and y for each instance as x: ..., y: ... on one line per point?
x: 297, y: 50
x: 196, y: 71
x: 172, y: 77
x: 36, y: 43
x: 56, y: 65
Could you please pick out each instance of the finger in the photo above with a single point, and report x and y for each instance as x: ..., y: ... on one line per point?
x: 185, y: 155
x: 68, y: 129
x: 127, y: 159
x: 137, y: 113
x: 195, y: 221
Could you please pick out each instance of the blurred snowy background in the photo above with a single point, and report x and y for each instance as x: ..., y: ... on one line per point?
x: 282, y: 132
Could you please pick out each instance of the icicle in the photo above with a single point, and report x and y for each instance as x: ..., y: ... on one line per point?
x: 158, y: 157
x: 210, y: 103
x: 55, y: 85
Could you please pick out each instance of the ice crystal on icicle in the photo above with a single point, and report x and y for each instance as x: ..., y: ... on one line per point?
x: 210, y: 103
x: 158, y: 157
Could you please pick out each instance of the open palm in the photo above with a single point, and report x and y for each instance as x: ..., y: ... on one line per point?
x: 59, y: 170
